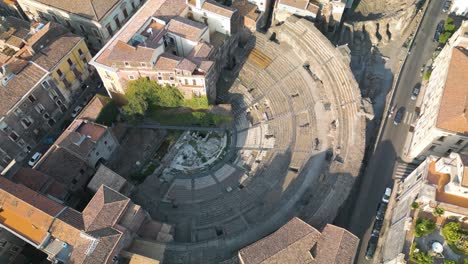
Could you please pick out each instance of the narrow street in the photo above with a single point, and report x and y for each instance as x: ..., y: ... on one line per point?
x: 379, y: 172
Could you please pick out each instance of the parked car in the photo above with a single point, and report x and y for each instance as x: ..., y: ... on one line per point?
x: 439, y: 29
x: 415, y: 92
x: 76, y: 111
x: 377, y: 227
x: 381, y: 211
x: 447, y: 5
x: 371, y: 246
x: 386, y: 196
x: 34, y: 159
x: 399, y: 116
x: 86, y: 100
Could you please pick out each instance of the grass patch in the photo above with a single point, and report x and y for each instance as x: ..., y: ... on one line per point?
x: 145, y: 172
x: 188, y: 119
x: 427, y: 75
x: 197, y: 103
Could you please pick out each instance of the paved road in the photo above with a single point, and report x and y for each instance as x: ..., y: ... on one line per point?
x: 379, y: 171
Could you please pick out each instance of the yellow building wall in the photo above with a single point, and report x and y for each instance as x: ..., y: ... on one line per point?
x: 64, y: 67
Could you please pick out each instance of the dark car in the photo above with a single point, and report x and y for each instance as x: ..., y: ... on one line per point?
x: 381, y: 211
x: 371, y: 246
x: 377, y: 227
x: 399, y: 116
x: 439, y: 29
x: 415, y: 92
x: 447, y: 5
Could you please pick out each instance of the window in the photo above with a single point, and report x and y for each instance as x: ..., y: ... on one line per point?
x: 105, y: 142
x: 126, y: 64
x: 46, y: 116
x: 26, y: 122
x: 432, y: 148
x: 18, y: 111
x: 69, y: 25
x: 172, y: 78
x: 449, y: 151
x: 143, y: 64
x: 117, y: 21
x: 159, y: 78
x: 125, y: 13
x: 459, y: 142
x: 39, y: 108
x: 13, y: 136
x: 53, y: 94
x: 21, y: 143
x: 186, y: 82
x: 194, y: 82
x: 55, y: 18
x: 82, y: 28
x: 60, y: 74
x: 70, y: 62
x: 131, y: 77
x: 45, y: 85
x: 97, y: 153
x: 80, y: 52
x: 7, y: 159
x: 441, y: 139
x: 109, y: 29
x: 32, y: 98
x: 95, y: 32
x: 3, y: 126
x: 51, y: 122
x: 133, y: 4
x: 147, y: 78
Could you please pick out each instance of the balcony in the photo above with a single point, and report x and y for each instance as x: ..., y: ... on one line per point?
x: 73, y: 66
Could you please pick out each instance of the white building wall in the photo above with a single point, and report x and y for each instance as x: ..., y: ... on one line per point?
x: 460, y: 7
x: 426, y: 136
x: 215, y: 22
x: 104, y: 148
x: 262, y: 4
x: 282, y: 12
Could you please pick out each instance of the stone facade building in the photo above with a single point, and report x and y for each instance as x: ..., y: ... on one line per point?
x: 442, y: 126
x: 107, y: 225
x: 172, y: 42
x: 42, y: 68
x: 298, y: 242
x: 97, y: 21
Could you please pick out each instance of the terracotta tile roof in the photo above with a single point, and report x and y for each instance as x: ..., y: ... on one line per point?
x: 72, y: 217
x: 299, y: 4
x: 186, y: 65
x: 246, y: 9
x: 46, y: 35
x: 19, y: 86
x: 167, y: 62
x: 49, y: 56
x: 453, y: 111
x: 124, y: 52
x: 104, y: 209
x: 33, y: 179
x: 170, y: 9
x: 93, y: 131
x: 108, y: 240
x: 186, y: 28
x: 93, y: 108
x: 26, y: 212
x: 336, y: 245
x: 201, y: 50
x: 298, y: 242
x: 91, y: 9
x: 108, y: 177
x: 62, y: 165
x: 215, y: 7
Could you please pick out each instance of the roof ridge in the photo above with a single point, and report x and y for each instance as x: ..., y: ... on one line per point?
x: 94, y: 10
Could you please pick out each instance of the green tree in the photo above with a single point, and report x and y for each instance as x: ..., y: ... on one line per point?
x: 449, y: 20
x: 423, y: 227
x: 450, y: 231
x: 438, y: 211
x: 444, y: 37
x: 449, y: 28
x: 415, y: 205
x: 420, y: 257
x: 449, y: 262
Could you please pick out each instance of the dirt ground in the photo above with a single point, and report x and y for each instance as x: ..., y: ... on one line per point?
x: 137, y: 145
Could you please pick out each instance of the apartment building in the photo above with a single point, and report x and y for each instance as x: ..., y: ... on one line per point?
x: 107, y: 226
x: 442, y: 125
x: 165, y: 43
x: 74, y: 156
x: 436, y: 182
x: 96, y: 21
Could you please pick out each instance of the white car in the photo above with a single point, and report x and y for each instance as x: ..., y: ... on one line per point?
x: 76, y: 111
x: 387, y: 194
x: 34, y: 159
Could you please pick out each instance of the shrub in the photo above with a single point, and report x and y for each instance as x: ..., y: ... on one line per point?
x: 449, y: 20
x: 438, y: 211
x: 420, y: 257
x: 449, y: 262
x: 415, y: 205
x: 427, y: 75
x: 450, y: 231
x: 444, y: 37
x: 423, y: 227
